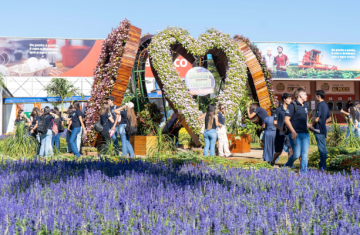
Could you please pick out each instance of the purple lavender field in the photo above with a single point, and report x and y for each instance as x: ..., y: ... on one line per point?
x: 137, y: 197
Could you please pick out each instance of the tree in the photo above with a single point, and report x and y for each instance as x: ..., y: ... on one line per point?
x: 62, y: 88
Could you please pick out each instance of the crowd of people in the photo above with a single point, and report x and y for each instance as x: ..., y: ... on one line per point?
x: 46, y: 126
x: 287, y: 129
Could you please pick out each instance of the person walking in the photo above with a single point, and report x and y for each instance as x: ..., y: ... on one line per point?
x: 221, y: 133
x: 322, y: 117
x: 67, y: 119
x: 106, y: 120
x: 210, y: 135
x: 46, y: 146
x: 34, y: 119
x: 115, y: 127
x: 269, y: 137
x: 127, y: 127
x: 77, y: 124
x: 296, y: 122
x: 279, y: 121
x: 59, y: 121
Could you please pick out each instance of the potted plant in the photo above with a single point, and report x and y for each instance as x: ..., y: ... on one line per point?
x: 148, y: 121
x: 90, y: 151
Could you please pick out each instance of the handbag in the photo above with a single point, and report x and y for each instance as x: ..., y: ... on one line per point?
x: 262, y: 135
x: 54, y: 128
x: 61, y: 127
x: 202, y: 131
x: 129, y: 130
x: 98, y: 127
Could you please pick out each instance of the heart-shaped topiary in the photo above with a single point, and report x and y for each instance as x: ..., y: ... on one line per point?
x: 234, y: 89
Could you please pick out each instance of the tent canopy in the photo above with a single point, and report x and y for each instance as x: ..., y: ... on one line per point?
x: 22, y: 100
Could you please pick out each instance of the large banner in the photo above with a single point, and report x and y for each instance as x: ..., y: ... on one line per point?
x: 311, y: 61
x: 29, y: 57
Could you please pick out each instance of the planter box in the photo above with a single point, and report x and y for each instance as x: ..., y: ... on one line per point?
x: 142, y: 144
x: 91, y: 153
x: 239, y: 146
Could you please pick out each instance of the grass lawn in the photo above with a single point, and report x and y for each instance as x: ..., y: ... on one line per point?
x: 283, y: 158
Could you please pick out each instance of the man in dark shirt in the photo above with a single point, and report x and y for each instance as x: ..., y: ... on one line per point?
x: 110, y: 100
x: 297, y: 123
x: 279, y: 120
x: 322, y: 117
x: 282, y: 62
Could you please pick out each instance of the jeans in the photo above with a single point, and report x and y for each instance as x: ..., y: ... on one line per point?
x: 125, y: 140
x: 46, y: 146
x: 210, y: 137
x: 56, y: 140
x: 321, y: 143
x: 116, y: 142
x: 300, y: 147
x: 73, y: 140
x: 68, y: 146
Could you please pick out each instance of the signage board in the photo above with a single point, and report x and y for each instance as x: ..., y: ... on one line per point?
x: 27, y: 57
x: 281, y: 87
x: 333, y: 88
x: 311, y: 61
x: 200, y: 81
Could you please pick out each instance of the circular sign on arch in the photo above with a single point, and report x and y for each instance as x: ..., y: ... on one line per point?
x: 200, y: 81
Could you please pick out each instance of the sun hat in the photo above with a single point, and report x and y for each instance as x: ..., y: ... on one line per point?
x: 130, y: 105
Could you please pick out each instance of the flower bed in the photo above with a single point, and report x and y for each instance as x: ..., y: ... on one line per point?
x: 137, y: 197
x: 335, y: 158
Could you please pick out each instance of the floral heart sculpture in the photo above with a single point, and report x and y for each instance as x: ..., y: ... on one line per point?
x: 175, y: 90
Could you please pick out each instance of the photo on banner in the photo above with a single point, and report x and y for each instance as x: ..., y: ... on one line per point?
x: 28, y: 57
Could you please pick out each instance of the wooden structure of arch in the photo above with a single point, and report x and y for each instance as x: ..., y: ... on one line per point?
x: 257, y: 77
x: 124, y: 71
x: 126, y: 65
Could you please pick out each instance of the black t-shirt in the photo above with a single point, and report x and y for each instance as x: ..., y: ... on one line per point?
x: 322, y: 111
x: 75, y: 118
x: 206, y: 123
x: 280, y: 118
x: 221, y: 118
x: 298, y: 119
x: 123, y: 117
x: 262, y: 114
x: 23, y: 120
x: 105, y: 122
x: 48, y: 121
x: 33, y: 120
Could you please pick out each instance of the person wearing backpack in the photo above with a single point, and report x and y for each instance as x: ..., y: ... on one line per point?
x: 44, y: 127
x: 59, y: 121
x: 106, y: 121
x: 128, y: 127
x: 279, y: 122
x: 296, y: 122
x: 77, y: 124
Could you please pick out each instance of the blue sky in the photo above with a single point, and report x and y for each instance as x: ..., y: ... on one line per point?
x: 276, y: 20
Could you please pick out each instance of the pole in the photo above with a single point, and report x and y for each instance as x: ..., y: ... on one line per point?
x: 136, y: 95
x: 164, y: 104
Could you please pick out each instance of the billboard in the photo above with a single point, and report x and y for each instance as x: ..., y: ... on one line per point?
x: 27, y: 57
x: 311, y: 61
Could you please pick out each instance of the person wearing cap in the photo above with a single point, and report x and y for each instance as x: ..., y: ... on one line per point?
x: 128, y: 117
x: 110, y: 100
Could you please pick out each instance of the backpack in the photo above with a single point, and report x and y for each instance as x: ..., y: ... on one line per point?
x: 59, y: 124
x: 285, y: 128
x: 98, y: 127
x: 42, y: 127
x: 129, y: 130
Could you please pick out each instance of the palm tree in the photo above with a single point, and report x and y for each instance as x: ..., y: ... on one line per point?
x: 62, y: 88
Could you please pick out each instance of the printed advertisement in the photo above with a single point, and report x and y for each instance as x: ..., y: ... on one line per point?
x: 200, y: 81
x: 311, y: 61
x: 29, y: 57
x: 281, y: 87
